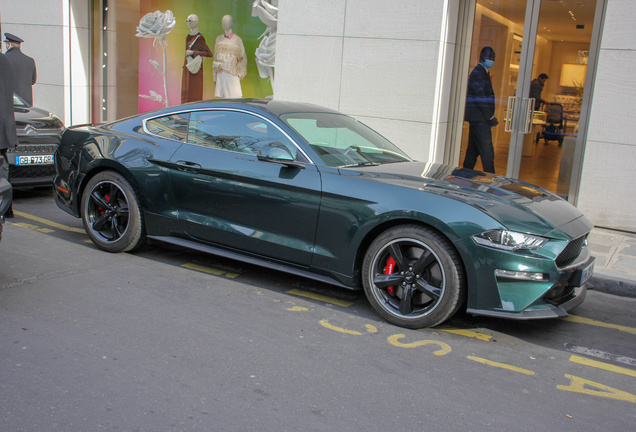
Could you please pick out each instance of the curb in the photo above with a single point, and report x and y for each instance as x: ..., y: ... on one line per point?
x: 611, y: 284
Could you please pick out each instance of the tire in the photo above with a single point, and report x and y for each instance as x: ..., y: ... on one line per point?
x: 428, y: 283
x: 111, y: 213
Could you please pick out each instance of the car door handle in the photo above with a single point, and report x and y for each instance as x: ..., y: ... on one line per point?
x: 188, y: 166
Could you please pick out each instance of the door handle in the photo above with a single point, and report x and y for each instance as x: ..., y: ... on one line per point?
x: 510, y: 109
x: 529, y: 115
x: 188, y: 166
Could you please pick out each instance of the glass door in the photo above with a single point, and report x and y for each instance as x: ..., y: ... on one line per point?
x: 537, y: 78
x: 498, y: 25
x: 557, y: 85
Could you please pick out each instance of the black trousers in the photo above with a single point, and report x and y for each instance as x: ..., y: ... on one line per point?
x: 480, y: 144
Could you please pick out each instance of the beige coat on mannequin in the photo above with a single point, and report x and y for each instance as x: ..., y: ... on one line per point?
x: 230, y: 62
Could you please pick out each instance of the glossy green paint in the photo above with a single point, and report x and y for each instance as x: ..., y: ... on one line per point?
x: 237, y: 201
x: 322, y: 219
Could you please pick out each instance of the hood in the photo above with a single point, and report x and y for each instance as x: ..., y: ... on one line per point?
x: 517, y: 205
x: 37, y: 118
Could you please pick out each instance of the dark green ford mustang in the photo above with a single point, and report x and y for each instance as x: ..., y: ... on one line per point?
x: 307, y: 190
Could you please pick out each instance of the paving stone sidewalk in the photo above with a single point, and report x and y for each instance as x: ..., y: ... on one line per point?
x: 615, y: 267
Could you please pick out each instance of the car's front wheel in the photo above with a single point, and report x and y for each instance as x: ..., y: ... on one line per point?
x: 111, y: 213
x: 413, y: 277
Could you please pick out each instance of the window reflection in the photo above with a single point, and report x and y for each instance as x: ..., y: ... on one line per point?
x: 173, y: 126
x: 234, y: 131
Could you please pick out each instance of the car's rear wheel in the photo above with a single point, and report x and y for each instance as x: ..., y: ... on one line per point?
x: 111, y: 213
x: 413, y: 277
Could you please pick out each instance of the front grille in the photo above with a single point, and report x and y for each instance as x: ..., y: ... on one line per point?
x: 571, y: 252
x: 559, y: 294
x: 34, y: 148
x: 31, y: 171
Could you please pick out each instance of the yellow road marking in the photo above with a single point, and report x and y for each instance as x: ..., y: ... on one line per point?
x: 578, y: 319
x: 210, y: 270
x: 49, y: 223
x: 467, y: 333
x: 34, y: 227
x: 577, y: 385
x: 501, y: 365
x: 326, y: 324
x: 297, y: 309
x: 445, y: 348
x: 320, y: 297
x: 604, y: 366
x: 26, y: 225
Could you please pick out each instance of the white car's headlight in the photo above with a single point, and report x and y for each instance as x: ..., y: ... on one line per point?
x: 509, y: 240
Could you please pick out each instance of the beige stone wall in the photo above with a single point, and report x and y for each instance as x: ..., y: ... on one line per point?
x: 608, y: 182
x: 387, y: 64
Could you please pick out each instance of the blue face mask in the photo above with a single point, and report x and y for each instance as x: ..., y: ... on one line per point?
x: 488, y: 63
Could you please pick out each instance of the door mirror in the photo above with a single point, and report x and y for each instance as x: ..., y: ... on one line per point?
x: 278, y: 153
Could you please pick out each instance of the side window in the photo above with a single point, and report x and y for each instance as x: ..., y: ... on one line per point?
x: 234, y: 131
x: 174, y: 126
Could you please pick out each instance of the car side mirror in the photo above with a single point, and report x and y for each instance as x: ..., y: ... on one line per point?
x: 277, y: 152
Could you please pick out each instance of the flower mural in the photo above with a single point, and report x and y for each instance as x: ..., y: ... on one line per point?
x: 156, y: 25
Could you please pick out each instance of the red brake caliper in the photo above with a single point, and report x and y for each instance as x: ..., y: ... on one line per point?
x: 390, y: 269
x: 101, y: 210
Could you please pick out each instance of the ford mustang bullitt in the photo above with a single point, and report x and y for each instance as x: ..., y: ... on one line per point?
x: 307, y: 190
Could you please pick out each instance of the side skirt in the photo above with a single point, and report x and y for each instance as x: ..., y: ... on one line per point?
x: 248, y: 259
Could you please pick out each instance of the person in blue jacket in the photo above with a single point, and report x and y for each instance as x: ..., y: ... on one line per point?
x: 480, y: 113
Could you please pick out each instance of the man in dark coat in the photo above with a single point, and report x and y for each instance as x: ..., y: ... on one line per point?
x: 8, y: 135
x: 536, y: 88
x: 24, y: 71
x: 480, y: 113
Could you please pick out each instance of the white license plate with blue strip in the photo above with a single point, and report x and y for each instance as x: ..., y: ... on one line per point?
x: 34, y: 160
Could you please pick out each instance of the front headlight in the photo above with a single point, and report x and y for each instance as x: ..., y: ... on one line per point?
x: 509, y: 240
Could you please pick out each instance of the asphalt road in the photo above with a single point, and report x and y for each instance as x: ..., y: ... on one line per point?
x: 171, y: 340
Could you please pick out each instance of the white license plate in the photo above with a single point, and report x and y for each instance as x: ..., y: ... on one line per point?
x: 587, y: 273
x: 34, y: 160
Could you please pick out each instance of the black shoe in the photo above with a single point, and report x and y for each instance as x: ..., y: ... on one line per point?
x: 9, y: 213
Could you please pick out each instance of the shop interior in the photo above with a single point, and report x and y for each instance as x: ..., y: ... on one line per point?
x: 562, y: 48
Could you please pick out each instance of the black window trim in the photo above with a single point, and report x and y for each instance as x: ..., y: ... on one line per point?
x: 145, y: 128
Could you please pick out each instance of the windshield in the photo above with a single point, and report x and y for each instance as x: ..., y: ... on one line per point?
x: 342, y: 141
x: 19, y: 102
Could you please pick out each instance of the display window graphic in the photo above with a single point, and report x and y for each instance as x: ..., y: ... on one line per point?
x: 177, y: 59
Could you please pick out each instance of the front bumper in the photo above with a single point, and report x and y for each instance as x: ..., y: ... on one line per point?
x: 32, y: 175
x: 566, y: 294
x: 547, y: 311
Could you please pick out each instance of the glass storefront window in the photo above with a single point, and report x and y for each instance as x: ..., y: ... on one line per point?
x: 199, y: 53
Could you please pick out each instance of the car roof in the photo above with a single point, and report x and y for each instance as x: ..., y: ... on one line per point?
x: 276, y: 107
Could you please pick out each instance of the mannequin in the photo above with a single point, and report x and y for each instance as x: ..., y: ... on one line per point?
x: 192, y: 77
x: 230, y: 62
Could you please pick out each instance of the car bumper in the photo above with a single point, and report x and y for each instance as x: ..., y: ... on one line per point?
x: 563, y: 296
x: 542, y: 312
x: 6, y: 195
x: 32, y: 175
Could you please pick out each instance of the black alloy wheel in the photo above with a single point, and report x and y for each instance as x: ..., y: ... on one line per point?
x: 413, y: 277
x: 111, y: 213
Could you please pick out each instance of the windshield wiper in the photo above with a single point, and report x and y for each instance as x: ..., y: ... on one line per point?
x: 359, y: 164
